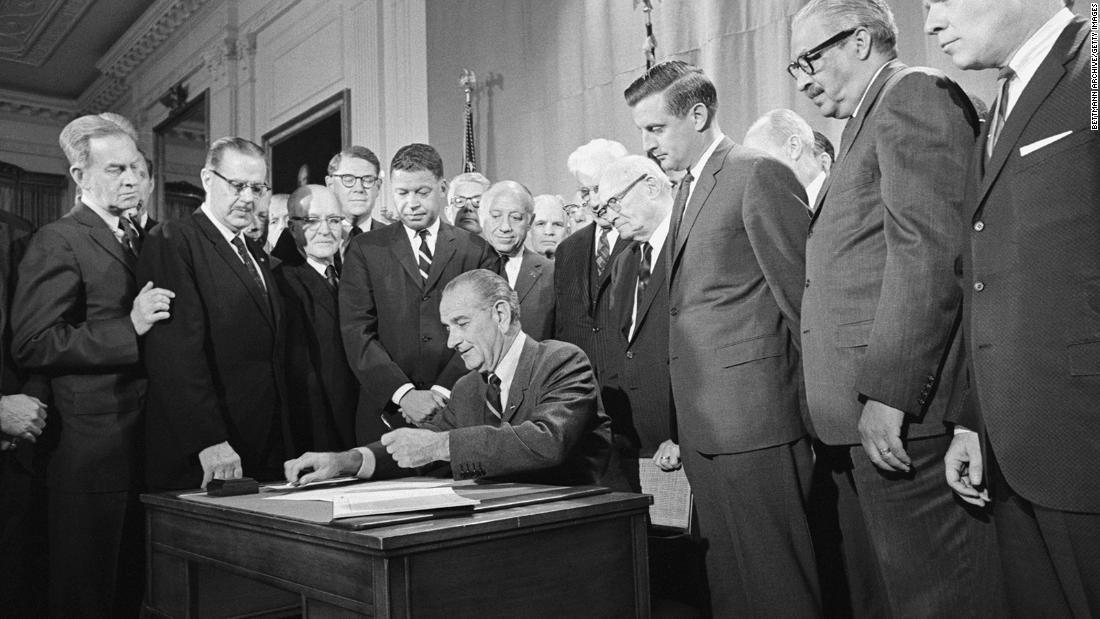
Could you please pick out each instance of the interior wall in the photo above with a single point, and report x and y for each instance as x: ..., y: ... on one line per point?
x: 551, y: 74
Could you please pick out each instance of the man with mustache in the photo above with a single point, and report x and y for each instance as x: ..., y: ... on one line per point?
x: 216, y: 396
x: 78, y: 317
x: 882, y: 351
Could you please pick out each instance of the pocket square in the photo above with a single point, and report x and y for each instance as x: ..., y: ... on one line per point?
x: 1034, y: 146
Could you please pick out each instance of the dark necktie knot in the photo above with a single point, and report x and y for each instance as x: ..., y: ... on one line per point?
x: 332, y: 277
x: 603, y: 251
x: 680, y: 203
x: 645, y: 265
x: 131, y: 238
x: 492, y: 394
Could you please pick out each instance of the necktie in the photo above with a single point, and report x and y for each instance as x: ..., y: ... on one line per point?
x: 492, y: 394
x: 354, y: 232
x: 1001, y: 110
x: 424, y: 255
x: 679, y: 204
x: 242, y: 251
x: 603, y: 252
x: 130, y: 239
x: 331, y: 277
x: 645, y: 267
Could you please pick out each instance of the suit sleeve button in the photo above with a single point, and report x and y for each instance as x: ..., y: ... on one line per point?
x: 979, y: 286
x: 979, y: 226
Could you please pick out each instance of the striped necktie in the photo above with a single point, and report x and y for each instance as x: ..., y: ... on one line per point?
x: 331, y: 277
x: 603, y: 252
x: 492, y: 394
x: 246, y: 258
x: 424, y: 255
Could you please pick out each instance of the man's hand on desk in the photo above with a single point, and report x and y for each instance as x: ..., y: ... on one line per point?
x: 413, y: 447
x: 312, y: 466
x: 219, y: 462
x: 419, y: 404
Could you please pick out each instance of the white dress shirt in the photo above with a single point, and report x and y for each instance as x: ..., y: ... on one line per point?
x: 697, y: 169
x: 1025, y: 62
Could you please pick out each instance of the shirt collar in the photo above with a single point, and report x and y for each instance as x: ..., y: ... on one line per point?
x: 108, y: 218
x: 433, y: 231
x: 227, y: 234
x: 1026, y: 60
x: 660, y: 233
x: 874, y: 77
x: 320, y: 267
x: 697, y: 169
x: 506, y: 367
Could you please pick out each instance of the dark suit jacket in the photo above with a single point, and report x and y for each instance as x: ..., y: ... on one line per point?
x: 71, y: 323
x: 582, y: 310
x: 1032, y: 283
x: 554, y: 430
x: 322, y: 393
x: 881, y: 310
x: 390, y: 318
x: 736, y: 276
x: 645, y: 419
x: 216, y: 365
x: 286, y: 250
x: 535, y: 289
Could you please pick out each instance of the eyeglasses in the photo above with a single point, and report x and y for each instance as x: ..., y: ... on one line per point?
x: 571, y: 209
x: 612, y: 203
x: 472, y: 202
x: 586, y: 193
x: 348, y: 180
x: 805, y: 62
x: 313, y: 223
x: 259, y: 190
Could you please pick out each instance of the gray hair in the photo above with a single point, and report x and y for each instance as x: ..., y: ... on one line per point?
x: 490, y: 288
x: 75, y: 136
x: 513, y: 188
x: 622, y: 172
x: 594, y: 156
x: 780, y: 124
x: 467, y: 177
x: 874, y: 15
x: 233, y: 143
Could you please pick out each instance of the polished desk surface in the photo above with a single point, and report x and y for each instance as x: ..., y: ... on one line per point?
x: 578, y: 556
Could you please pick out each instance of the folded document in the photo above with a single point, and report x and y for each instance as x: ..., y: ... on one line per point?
x: 398, y: 501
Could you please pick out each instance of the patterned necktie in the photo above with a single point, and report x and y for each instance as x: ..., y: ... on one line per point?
x: 1001, y: 110
x: 603, y: 252
x: 242, y: 251
x: 645, y: 267
x: 331, y: 277
x: 131, y: 240
x: 680, y: 203
x: 492, y: 394
x: 424, y: 255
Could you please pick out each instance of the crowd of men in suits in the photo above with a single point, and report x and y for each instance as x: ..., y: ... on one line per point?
x: 820, y: 340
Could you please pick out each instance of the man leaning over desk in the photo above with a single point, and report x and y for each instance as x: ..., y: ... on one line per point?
x: 527, y: 410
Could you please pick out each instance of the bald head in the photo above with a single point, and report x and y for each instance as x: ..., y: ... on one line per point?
x: 507, y: 208
x: 787, y: 137
x: 316, y: 222
x: 642, y: 193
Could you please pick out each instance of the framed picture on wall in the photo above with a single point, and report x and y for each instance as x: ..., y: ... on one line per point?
x: 298, y: 151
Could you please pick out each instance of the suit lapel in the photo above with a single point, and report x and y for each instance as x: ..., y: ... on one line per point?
x: 403, y: 253
x: 444, y: 251
x: 229, y: 255
x: 318, y: 290
x: 529, y: 273
x: 1050, y: 72
x: 102, y: 235
x: 854, y: 126
x: 656, y: 282
x: 521, y: 380
x: 703, y: 187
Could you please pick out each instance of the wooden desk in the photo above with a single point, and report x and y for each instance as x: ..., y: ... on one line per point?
x: 577, y: 557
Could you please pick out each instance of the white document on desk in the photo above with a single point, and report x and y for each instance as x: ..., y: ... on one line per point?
x: 328, y: 494
x: 398, y: 501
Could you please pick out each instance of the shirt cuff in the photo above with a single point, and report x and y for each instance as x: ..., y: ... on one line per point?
x: 962, y: 430
x: 442, y: 391
x: 366, y: 469
x: 400, y: 393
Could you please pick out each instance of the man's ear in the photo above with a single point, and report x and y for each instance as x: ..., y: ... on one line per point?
x: 864, y: 44
x: 502, y: 316
x: 700, y: 116
x: 329, y: 180
x: 78, y: 175
x: 794, y: 147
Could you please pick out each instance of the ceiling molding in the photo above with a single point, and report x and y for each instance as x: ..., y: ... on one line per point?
x: 37, y: 106
x: 33, y: 30
x: 148, y: 33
